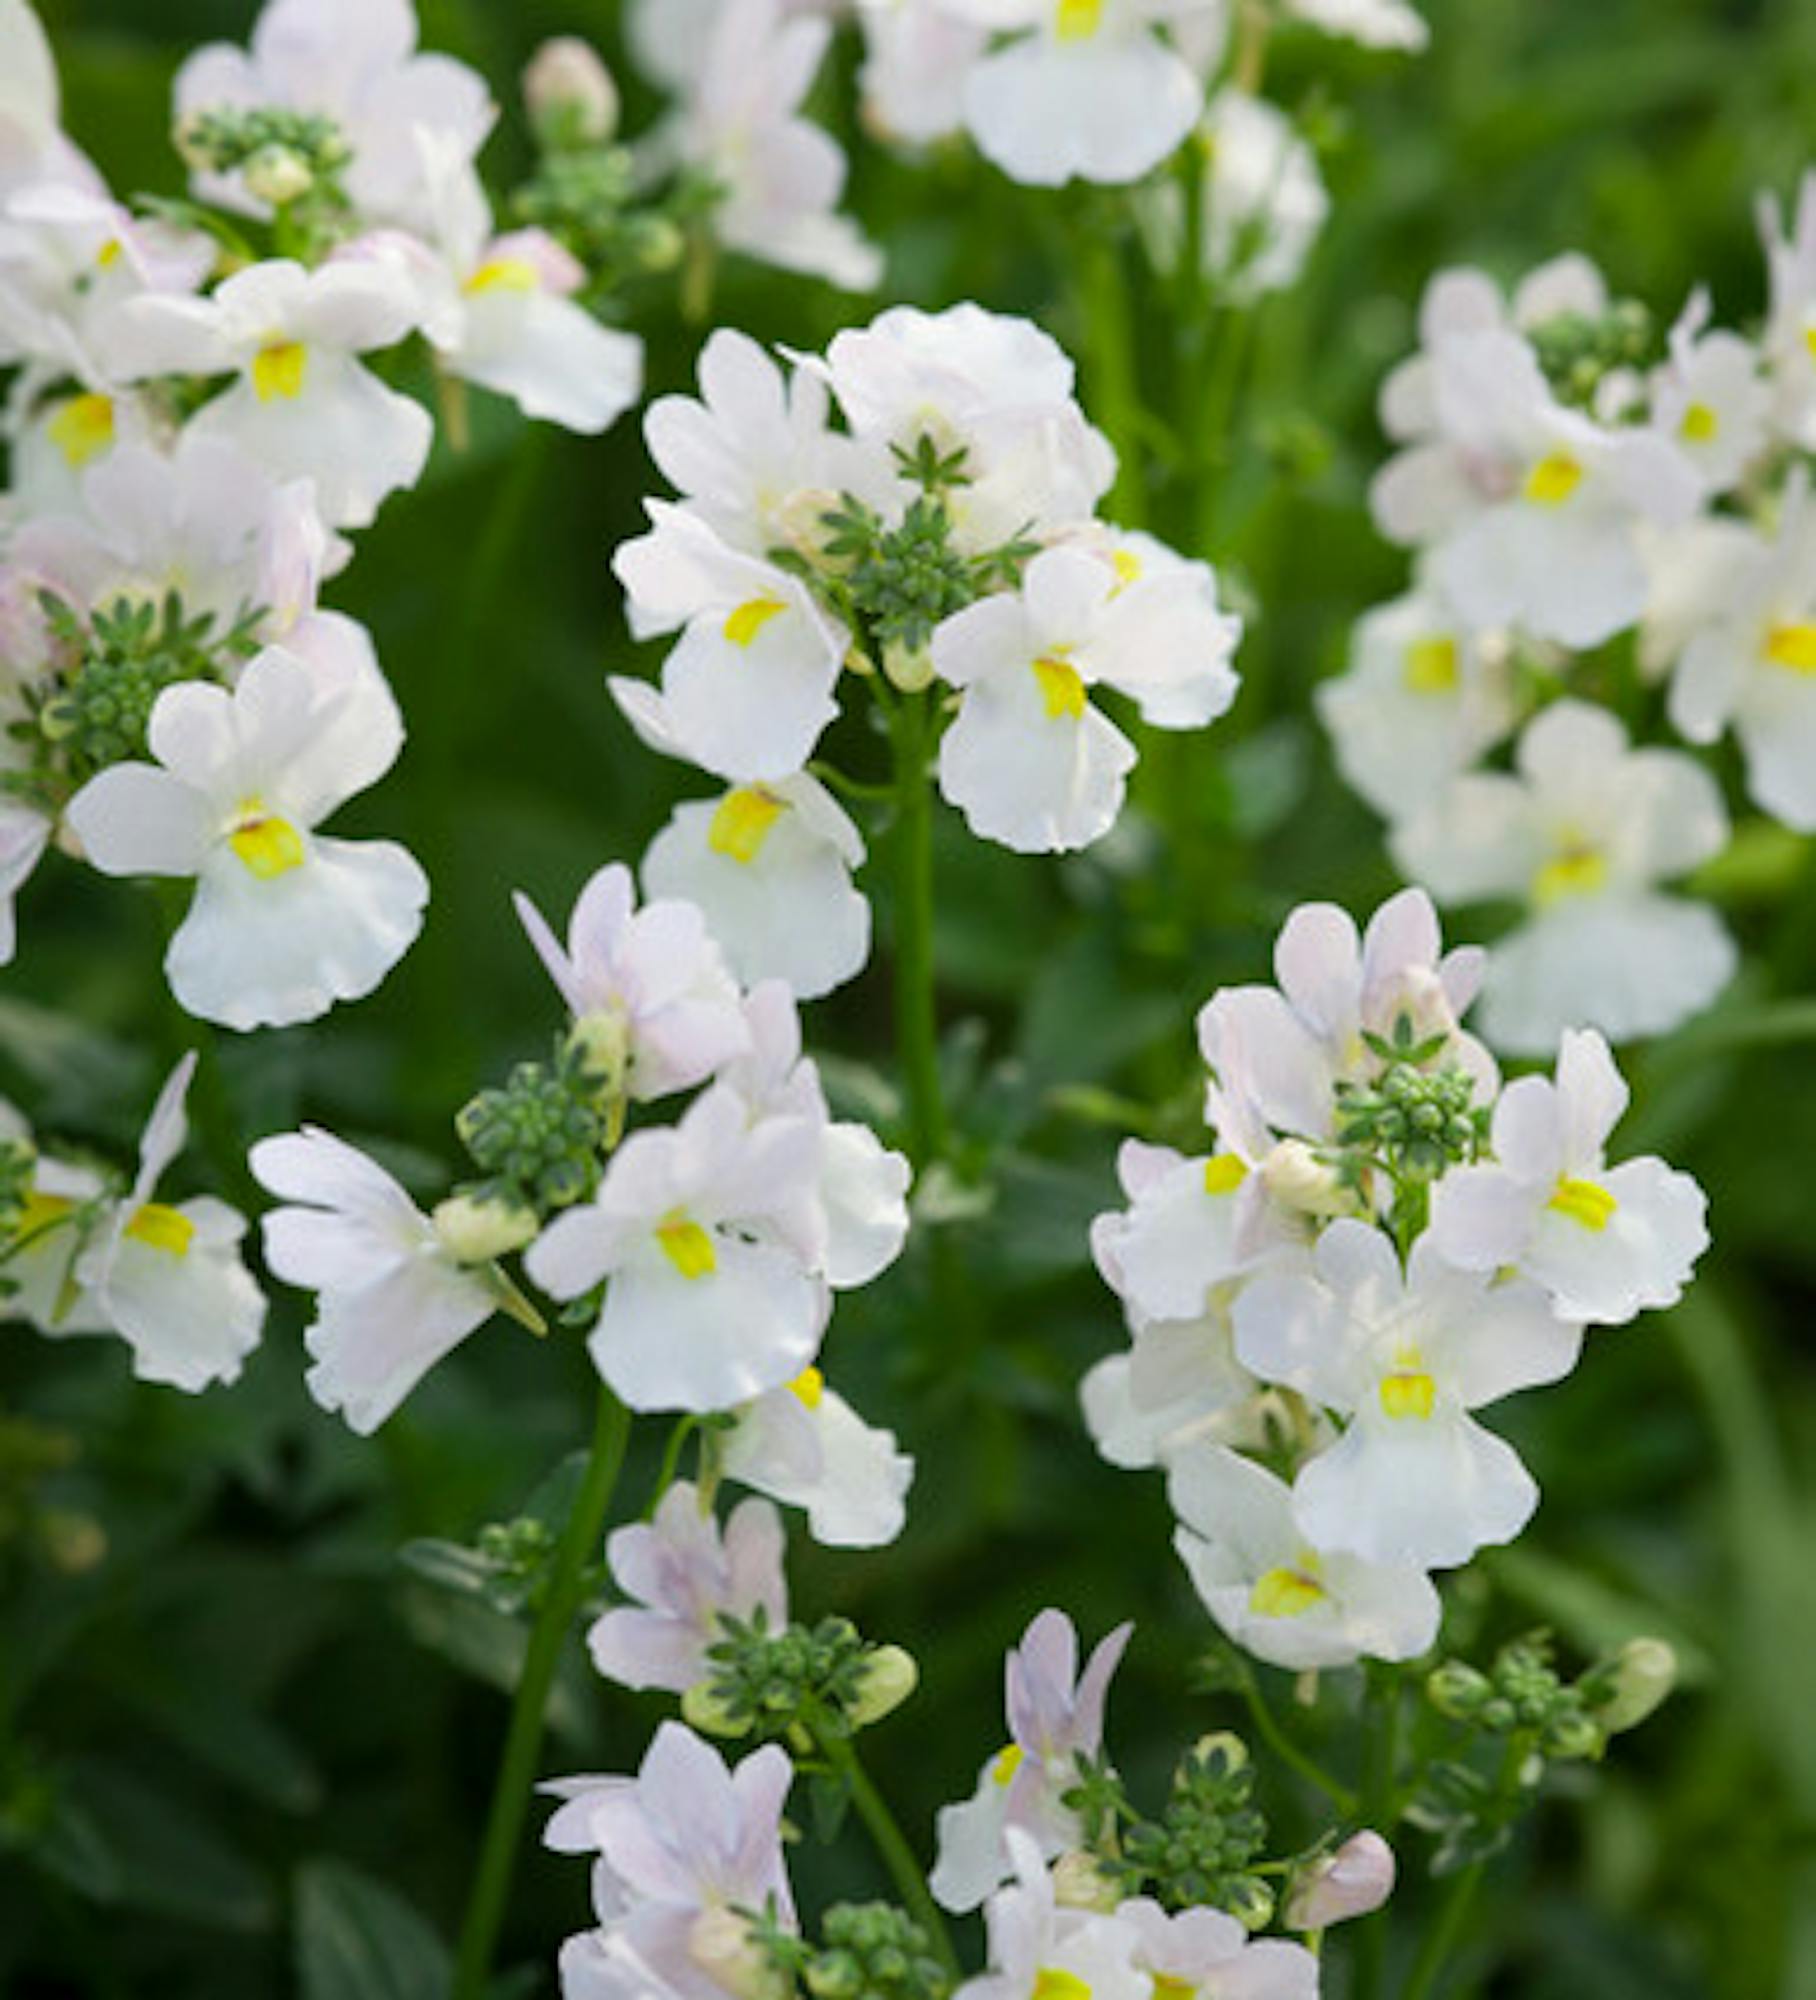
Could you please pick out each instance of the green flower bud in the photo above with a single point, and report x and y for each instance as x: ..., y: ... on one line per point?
x: 1251, y: 1902
x: 1642, y: 1674
x: 1573, y: 1734
x: 1458, y: 1690
x: 703, y: 1710
x: 475, y: 1229
x: 886, y: 1680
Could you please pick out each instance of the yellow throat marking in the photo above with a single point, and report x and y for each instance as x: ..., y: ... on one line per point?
x: 1409, y: 1392
x: 163, y: 1228
x: 1006, y: 1762
x: 1792, y: 646
x: 503, y: 274
x: 82, y: 427
x: 1288, y: 1592
x: 1076, y: 20
x: 741, y: 822
x: 810, y: 1387
x: 1698, y: 424
x: 748, y: 619
x: 1050, y: 1983
x: 278, y: 370
x: 1431, y: 665
x: 1553, y: 479
x: 1585, y: 1202
x: 1061, y: 687
x: 687, y: 1246
x: 1224, y: 1173
x: 266, y: 845
x: 1577, y: 871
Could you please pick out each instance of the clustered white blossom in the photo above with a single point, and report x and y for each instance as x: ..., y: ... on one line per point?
x: 1613, y: 536
x: 1379, y: 1242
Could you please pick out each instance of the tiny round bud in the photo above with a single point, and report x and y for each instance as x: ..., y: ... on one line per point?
x: 909, y: 667
x: 659, y: 241
x: 1223, y: 1748
x: 1251, y: 1903
x: 725, y: 1947
x: 701, y: 1709
x: 1644, y: 1673
x: 1358, y: 1878
x: 186, y: 137
x: 602, y: 1043
x: 1573, y: 1734
x: 569, y: 94
x: 1297, y: 1179
x: 1080, y: 1883
x: 475, y: 1230
x: 889, y: 1678
x: 1458, y: 1690
x: 278, y: 174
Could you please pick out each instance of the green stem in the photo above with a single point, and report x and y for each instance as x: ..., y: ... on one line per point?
x: 1115, y: 400
x: 1289, y: 1753
x: 1441, y: 1939
x: 891, y: 1844
x: 523, y: 1740
x: 671, y: 1463
x: 916, y: 1018
x: 1381, y: 1744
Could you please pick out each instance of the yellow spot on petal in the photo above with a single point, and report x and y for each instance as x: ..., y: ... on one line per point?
x: 278, y: 370
x: 266, y: 845
x: 743, y: 624
x: 159, y: 1227
x: 41, y: 1211
x: 1061, y: 688
x: 1076, y: 20
x: 1006, y: 1763
x: 1792, y: 646
x: 1127, y: 565
x: 1577, y: 871
x: 1409, y: 1391
x: 1585, y: 1202
x: 1051, y: 1983
x: 810, y: 1386
x: 109, y: 253
x: 504, y: 274
x: 1166, y: 1987
x: 1809, y: 339
x: 81, y: 427
x: 741, y: 822
x: 1288, y: 1592
x: 1699, y: 424
x: 1553, y: 479
x: 1431, y: 665
x: 1224, y: 1173
x: 687, y: 1246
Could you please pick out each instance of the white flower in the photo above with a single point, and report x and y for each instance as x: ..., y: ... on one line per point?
x: 1205, y: 1954
x: 769, y: 866
x: 285, y: 921
x: 651, y: 981
x: 1029, y: 760
x: 39, y: 1252
x: 1038, y: 1951
x: 1711, y: 399
x: 713, y: 1241
x: 807, y: 1447
x: 781, y: 177
x: 1583, y: 834
x: 1414, y: 1480
x: 912, y: 80
x: 748, y: 686
x: 24, y: 835
x: 170, y: 1279
x: 301, y: 403
x: 32, y: 145
x: 354, y: 61
x: 1376, y: 24
x: 1750, y: 660
x: 1277, y: 1596
x: 391, y: 1299
x: 1086, y: 90
x: 1055, y: 1716
x: 1605, y: 1242
x: 1790, y: 335
x: 683, y: 1574
x: 1424, y: 696
x: 1264, y: 201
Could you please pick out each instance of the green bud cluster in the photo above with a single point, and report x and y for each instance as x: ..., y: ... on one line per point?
x: 763, y: 1683
x: 871, y: 1951
x: 519, y: 1555
x: 1418, y: 1114
x: 1522, y: 1693
x: 1579, y: 351
x: 283, y: 154
x: 584, y: 197
x: 540, y: 1137
x: 18, y: 1167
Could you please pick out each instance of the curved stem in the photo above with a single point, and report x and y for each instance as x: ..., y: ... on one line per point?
x: 1441, y: 1939
x: 671, y: 1463
x: 891, y: 1844
x: 523, y: 1740
x: 1289, y: 1753
x: 1110, y: 349
x: 1380, y: 1757
x: 916, y: 1020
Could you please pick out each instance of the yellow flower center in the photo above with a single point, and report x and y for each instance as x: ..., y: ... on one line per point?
x: 743, y: 624
x: 504, y: 274
x: 1431, y: 665
x: 1553, y: 479
x: 1224, y: 1173
x: 1579, y: 870
x: 163, y: 1228
x: 687, y: 1246
x: 741, y: 822
x: 810, y: 1386
x: 109, y: 254
x: 1809, y: 339
x: 1061, y: 688
x: 1006, y: 1763
x: 1585, y: 1202
x: 39, y: 1212
x: 278, y: 369
x: 1698, y: 424
x: 1051, y: 1983
x: 1288, y: 1592
x: 1127, y: 565
x: 1792, y: 646
x: 81, y: 427
x: 266, y: 845
x: 1166, y: 1987
x: 1076, y: 20
x: 1409, y: 1392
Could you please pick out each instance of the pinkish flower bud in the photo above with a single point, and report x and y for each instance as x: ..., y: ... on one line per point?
x: 1358, y: 1878
x: 570, y: 94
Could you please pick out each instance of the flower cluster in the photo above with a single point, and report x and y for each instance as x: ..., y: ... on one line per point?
x: 1381, y: 1241
x: 1613, y: 535
x: 941, y: 550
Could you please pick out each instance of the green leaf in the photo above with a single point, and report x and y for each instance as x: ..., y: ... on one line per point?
x: 356, y: 1939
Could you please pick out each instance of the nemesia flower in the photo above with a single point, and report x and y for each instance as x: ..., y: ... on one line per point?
x: 170, y: 1279
x: 302, y: 403
x: 1275, y: 1594
x: 1037, y: 1949
x: 805, y: 1446
x: 42, y: 1248
x: 1087, y: 90
x: 1028, y: 760
x: 650, y: 981
x: 33, y: 147
x: 1055, y: 1716
x: 1264, y: 201
x: 1749, y: 661
x: 713, y: 1240
x: 1424, y: 696
x: 769, y: 867
x: 1206, y: 1952
x: 392, y: 1300
x: 1376, y: 24
x: 683, y: 1572
x: 1711, y: 399
x: 1583, y: 833
x: 1605, y: 1242
x: 912, y: 80
x: 1406, y: 1356
x: 24, y: 834
x: 1790, y: 332
x: 285, y: 921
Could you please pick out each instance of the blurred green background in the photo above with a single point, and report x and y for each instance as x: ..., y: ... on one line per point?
x: 246, y: 1686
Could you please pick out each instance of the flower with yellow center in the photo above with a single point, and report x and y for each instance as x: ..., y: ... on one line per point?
x: 687, y: 1246
x: 742, y: 822
x: 81, y: 427
x: 1062, y: 688
x: 1792, y: 645
x: 1587, y: 1203
x: 1578, y: 869
x: 267, y: 844
x: 1077, y: 20
x: 1553, y: 479
x: 1431, y: 665
x: 279, y: 369
x: 162, y: 1228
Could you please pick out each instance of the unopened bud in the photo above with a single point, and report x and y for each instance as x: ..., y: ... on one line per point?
x: 1081, y: 1883
x: 1458, y: 1690
x: 889, y: 1677
x: 726, y: 1948
x: 801, y: 522
x: 185, y: 137
x: 1358, y: 1878
x: 908, y: 667
x: 277, y: 174
x: 1223, y: 1749
x: 1573, y: 1734
x: 1251, y: 1902
x: 657, y: 242
x: 701, y: 1709
x: 1296, y: 1178
x: 569, y: 94
x: 1641, y: 1675
x: 473, y: 1229
x: 601, y: 1041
